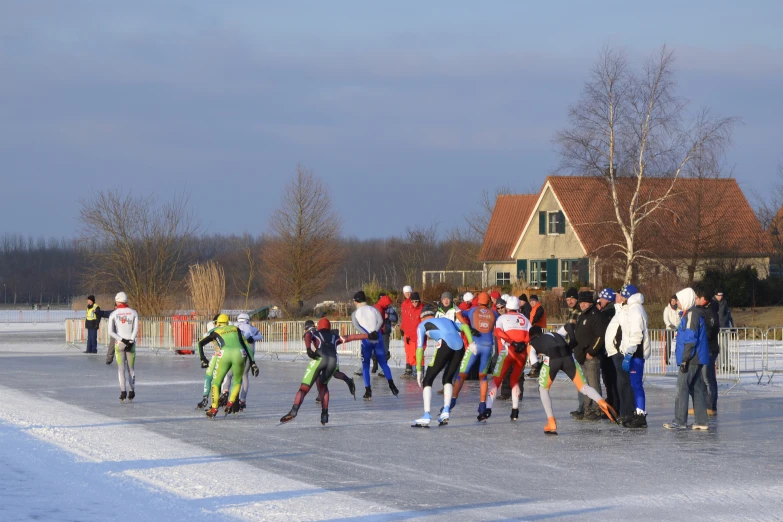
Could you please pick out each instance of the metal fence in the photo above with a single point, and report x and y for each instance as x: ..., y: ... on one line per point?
x: 39, y: 316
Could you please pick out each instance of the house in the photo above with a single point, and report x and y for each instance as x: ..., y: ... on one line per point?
x: 568, y: 234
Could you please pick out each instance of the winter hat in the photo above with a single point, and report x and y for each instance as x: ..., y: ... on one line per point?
x: 91, y: 298
x: 407, y: 289
x: 687, y: 298
x: 500, y: 303
x: 608, y: 294
x: 359, y: 297
x: 586, y: 297
x: 415, y: 296
x: 483, y: 299
x: 628, y: 290
x: 495, y: 295
x: 512, y: 303
x: 535, y: 331
x: 427, y: 311
x: 523, y: 297
x: 572, y: 292
x: 534, y: 297
x: 445, y: 295
x: 467, y: 297
x: 504, y: 297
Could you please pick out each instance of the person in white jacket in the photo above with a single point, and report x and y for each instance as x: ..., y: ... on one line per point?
x: 123, y: 328
x: 367, y: 319
x: 671, y: 320
x: 635, y: 348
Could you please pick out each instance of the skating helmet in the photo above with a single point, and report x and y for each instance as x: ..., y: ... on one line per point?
x: 121, y: 297
x: 467, y: 297
x: 512, y: 303
x: 309, y: 324
x: 221, y: 320
x: 427, y: 311
x: 483, y: 299
x: 324, y: 324
x: 243, y: 318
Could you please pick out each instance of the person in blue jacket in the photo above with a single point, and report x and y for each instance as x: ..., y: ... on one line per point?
x: 692, y: 354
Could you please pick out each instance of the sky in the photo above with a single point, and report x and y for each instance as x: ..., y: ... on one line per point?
x: 406, y: 110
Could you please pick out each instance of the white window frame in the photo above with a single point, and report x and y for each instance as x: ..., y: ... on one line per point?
x: 571, y: 264
x: 535, y: 269
x: 499, y: 280
x: 549, y: 224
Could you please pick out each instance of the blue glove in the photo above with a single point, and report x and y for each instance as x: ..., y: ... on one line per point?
x: 627, y: 362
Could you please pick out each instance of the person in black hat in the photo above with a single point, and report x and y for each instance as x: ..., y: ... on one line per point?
x: 91, y: 323
x: 524, y: 306
x: 589, y: 350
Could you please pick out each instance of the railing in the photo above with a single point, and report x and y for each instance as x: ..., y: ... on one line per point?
x: 39, y: 316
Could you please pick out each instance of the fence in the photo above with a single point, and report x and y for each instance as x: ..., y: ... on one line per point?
x: 743, y: 350
x: 39, y: 316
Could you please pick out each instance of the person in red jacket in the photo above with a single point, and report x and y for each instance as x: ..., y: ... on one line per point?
x: 411, y: 317
x: 383, y: 305
x: 467, y: 302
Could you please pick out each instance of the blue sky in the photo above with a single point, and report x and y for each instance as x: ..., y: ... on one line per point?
x: 405, y: 110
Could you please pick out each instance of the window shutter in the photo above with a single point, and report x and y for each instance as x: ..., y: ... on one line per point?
x: 560, y: 222
x: 551, y: 272
x: 542, y: 223
x: 522, y: 270
x: 584, y: 270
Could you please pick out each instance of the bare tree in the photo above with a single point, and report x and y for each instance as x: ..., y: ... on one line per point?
x: 304, y: 251
x: 629, y: 126
x: 417, y: 250
x: 245, y: 275
x: 464, y: 241
x: 207, y: 285
x: 136, y: 245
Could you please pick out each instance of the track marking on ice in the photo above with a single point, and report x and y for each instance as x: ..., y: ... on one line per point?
x: 215, y: 482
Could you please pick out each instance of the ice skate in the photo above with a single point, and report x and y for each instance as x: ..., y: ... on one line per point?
x: 393, y: 388
x: 242, y: 405
x: 223, y: 399
x: 212, y: 412
x: 608, y: 411
x: 231, y: 407
x: 318, y: 399
x: 288, y: 416
x: 352, y: 387
x: 131, y: 395
x: 484, y: 414
x: 123, y: 395
x: 515, y: 414
x: 639, y: 420
x: 203, y: 404
x: 367, y: 394
x: 443, y: 418
x: 324, y: 417
x: 551, y: 426
x: 423, y: 422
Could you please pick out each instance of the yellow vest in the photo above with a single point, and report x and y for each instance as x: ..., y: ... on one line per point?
x: 91, y: 313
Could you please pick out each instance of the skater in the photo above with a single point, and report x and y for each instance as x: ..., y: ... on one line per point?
x: 513, y: 332
x: 411, y: 310
x: 252, y: 336
x: 481, y: 321
x: 231, y: 357
x: 389, y: 316
x: 210, y: 370
x: 449, y: 353
x: 123, y: 327
x: 635, y: 347
x: 557, y: 355
x: 322, y: 367
x: 368, y: 320
x: 308, y: 338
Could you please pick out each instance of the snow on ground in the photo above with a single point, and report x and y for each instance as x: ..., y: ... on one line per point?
x: 69, y: 450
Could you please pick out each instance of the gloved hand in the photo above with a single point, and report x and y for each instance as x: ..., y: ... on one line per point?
x: 474, y: 332
x: 254, y: 369
x: 402, y: 333
x: 473, y: 348
x: 373, y: 336
x: 519, y: 346
x: 407, y: 340
x: 627, y: 362
x: 684, y: 368
x: 420, y: 376
x: 108, y: 362
x: 204, y: 362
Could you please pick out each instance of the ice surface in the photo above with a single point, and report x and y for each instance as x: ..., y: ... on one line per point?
x: 69, y: 433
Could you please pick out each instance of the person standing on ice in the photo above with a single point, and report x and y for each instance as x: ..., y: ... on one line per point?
x: 123, y: 327
x: 322, y: 367
x: 557, y: 356
x: 231, y: 357
x: 411, y: 311
x: 449, y: 352
x: 481, y: 321
x: 368, y: 320
x: 635, y: 347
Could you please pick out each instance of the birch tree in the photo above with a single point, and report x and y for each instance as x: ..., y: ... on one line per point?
x: 630, y: 125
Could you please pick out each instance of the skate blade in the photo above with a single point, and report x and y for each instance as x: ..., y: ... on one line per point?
x: 550, y: 433
x: 420, y: 426
x: 443, y: 423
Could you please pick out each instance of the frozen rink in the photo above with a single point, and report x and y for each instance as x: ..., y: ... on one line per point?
x: 69, y: 450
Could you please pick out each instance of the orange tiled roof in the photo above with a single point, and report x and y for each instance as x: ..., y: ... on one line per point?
x: 508, y: 219
x: 726, y: 225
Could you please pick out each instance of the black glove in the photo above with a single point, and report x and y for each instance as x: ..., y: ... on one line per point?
x: 684, y: 368
x: 402, y: 334
x: 407, y: 340
x: 254, y: 369
x: 373, y: 336
x: 474, y: 332
x: 519, y: 346
x: 109, y: 362
x: 204, y: 362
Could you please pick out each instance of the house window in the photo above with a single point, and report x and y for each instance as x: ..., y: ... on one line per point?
x: 556, y: 223
x: 502, y: 278
x: 537, y: 276
x: 569, y: 271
